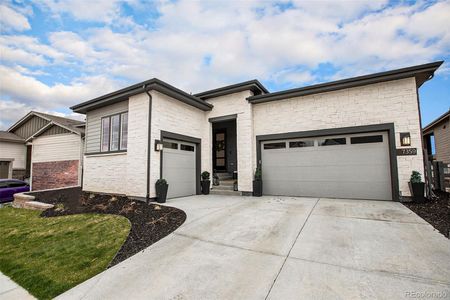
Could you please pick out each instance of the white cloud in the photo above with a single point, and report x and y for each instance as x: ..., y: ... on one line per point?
x: 12, y: 20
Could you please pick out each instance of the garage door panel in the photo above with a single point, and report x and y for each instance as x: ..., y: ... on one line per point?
x: 360, y: 171
x: 325, y: 173
x: 179, y: 169
x: 330, y: 189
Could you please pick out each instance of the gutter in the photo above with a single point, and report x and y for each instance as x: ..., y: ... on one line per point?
x: 149, y: 141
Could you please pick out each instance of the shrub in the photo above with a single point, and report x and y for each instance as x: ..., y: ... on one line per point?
x: 416, y: 177
x: 205, y: 175
x: 258, y: 173
x: 161, y: 182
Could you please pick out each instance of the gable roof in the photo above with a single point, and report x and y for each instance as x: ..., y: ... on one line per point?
x: 66, y: 123
x: 6, y: 136
x: 254, y: 85
x: 152, y: 84
x: 421, y: 73
x: 436, y: 121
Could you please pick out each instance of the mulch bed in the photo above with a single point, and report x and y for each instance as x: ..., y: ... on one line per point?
x: 149, y: 222
x: 435, y: 211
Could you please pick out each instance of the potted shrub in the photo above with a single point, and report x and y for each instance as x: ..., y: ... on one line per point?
x: 257, y: 183
x: 205, y: 183
x: 416, y: 186
x: 161, y: 190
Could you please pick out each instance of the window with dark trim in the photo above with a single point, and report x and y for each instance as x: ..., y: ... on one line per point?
x: 301, y: 144
x: 187, y: 147
x: 114, y: 132
x: 170, y: 145
x: 278, y: 145
x: 332, y: 142
x: 366, y: 139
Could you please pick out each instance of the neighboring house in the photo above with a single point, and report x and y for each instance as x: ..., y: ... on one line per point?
x: 46, y: 149
x: 437, y: 136
x: 340, y: 139
x: 12, y: 156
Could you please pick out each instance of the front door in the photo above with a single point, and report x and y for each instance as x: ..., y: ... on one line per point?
x: 220, y: 151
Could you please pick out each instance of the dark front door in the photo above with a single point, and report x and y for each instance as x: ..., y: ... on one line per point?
x: 220, y: 150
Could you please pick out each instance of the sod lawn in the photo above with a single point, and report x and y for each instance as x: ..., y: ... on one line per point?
x: 48, y: 256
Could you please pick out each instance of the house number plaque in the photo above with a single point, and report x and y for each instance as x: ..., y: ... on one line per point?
x: 407, y: 151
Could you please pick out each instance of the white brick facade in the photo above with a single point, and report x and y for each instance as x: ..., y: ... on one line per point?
x: 228, y: 105
x: 126, y: 173
x: 388, y: 102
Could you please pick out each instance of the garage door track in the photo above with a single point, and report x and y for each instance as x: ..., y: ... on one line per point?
x: 284, y: 248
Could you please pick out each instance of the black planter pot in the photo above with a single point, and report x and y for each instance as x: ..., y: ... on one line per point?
x: 257, y: 188
x: 417, y: 191
x: 161, y: 192
x: 205, y: 186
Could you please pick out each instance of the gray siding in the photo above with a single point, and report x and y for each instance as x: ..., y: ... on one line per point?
x: 55, y: 130
x: 442, y: 140
x: 93, y: 123
x: 30, y: 127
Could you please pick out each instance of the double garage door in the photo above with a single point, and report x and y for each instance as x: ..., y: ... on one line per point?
x: 179, y: 168
x: 345, y: 166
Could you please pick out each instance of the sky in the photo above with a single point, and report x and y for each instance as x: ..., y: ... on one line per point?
x: 54, y: 54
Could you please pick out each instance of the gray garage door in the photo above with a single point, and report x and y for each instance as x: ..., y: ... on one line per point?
x: 179, y: 168
x: 346, y: 166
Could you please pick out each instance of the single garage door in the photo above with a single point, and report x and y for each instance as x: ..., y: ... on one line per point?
x: 179, y: 168
x: 345, y: 166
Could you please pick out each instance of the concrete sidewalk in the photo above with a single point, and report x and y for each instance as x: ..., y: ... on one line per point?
x: 9, y: 290
x: 284, y: 248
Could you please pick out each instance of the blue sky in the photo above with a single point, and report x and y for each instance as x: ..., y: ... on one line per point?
x: 54, y: 54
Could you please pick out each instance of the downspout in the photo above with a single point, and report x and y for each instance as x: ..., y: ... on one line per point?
x: 147, y: 196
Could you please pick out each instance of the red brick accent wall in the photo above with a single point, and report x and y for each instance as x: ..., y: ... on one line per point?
x: 54, y: 174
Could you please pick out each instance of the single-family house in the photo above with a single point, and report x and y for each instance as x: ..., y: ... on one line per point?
x: 357, y: 138
x: 437, y: 136
x: 44, y: 149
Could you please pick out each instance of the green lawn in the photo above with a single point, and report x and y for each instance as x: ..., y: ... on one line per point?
x: 48, y: 256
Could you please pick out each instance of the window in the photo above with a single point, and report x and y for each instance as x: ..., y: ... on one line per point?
x: 105, y: 134
x: 332, y: 142
x: 187, y: 147
x: 124, y: 131
x: 366, y: 139
x: 301, y: 144
x: 170, y: 145
x: 17, y: 184
x: 279, y: 145
x: 114, y: 134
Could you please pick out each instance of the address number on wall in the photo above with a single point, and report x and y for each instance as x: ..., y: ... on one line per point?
x: 407, y: 151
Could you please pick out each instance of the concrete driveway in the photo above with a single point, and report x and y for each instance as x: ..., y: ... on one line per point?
x: 284, y: 248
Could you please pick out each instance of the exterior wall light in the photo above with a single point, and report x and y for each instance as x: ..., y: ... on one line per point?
x: 405, y: 139
x: 158, y: 145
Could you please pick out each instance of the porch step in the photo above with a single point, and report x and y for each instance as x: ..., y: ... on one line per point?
x: 222, y: 187
x: 225, y: 193
x: 224, y: 176
x: 226, y: 183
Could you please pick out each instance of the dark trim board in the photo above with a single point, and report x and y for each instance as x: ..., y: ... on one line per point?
x: 198, y: 154
x: 421, y: 73
x: 105, y: 152
x: 389, y: 127
x: 223, y: 118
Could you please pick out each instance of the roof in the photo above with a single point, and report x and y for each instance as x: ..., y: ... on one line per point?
x: 422, y: 73
x: 254, y: 85
x: 436, y: 121
x: 69, y: 124
x: 152, y: 84
x: 6, y: 136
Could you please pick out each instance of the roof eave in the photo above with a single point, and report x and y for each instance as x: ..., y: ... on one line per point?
x: 425, y: 71
x: 436, y: 121
x: 153, y: 84
x: 253, y: 85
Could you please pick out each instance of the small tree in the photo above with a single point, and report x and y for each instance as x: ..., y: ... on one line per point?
x: 416, y: 177
x: 205, y: 175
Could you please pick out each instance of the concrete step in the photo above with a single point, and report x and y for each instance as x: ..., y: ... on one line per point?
x: 225, y: 193
x: 223, y: 176
x: 226, y: 183
x: 222, y: 187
